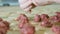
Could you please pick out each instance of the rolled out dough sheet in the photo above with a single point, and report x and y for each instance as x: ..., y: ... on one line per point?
x: 12, y: 12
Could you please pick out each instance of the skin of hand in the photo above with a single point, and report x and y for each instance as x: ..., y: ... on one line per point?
x: 42, y: 2
x: 56, y: 1
x: 27, y: 5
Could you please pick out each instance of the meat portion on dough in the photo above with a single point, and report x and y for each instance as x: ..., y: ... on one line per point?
x: 28, y: 29
x: 56, y: 29
x: 44, y: 17
x: 58, y: 14
x: 22, y: 18
x: 4, y: 26
x: 54, y: 19
x: 37, y: 18
x: 1, y: 19
x: 46, y: 23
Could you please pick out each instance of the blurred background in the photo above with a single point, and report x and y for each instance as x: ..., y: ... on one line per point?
x: 8, y: 2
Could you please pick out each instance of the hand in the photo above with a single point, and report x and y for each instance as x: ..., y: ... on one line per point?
x: 56, y: 1
x: 42, y: 2
x: 26, y: 5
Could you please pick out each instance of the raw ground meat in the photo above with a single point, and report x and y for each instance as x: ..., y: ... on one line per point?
x: 58, y: 14
x: 4, y: 26
x: 22, y: 17
x: 28, y: 29
x: 37, y: 18
x: 56, y: 29
x: 44, y: 17
x: 54, y: 19
x: 46, y: 23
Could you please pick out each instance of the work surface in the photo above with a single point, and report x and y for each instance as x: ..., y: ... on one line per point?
x: 11, y: 13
